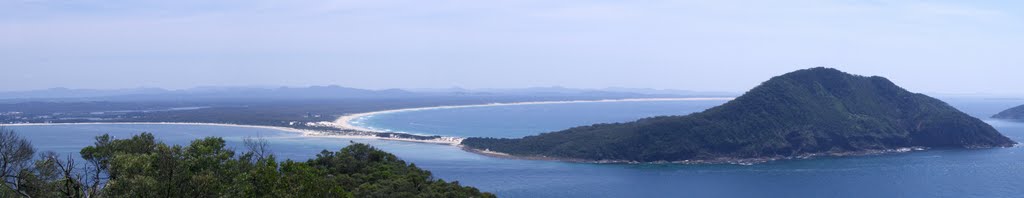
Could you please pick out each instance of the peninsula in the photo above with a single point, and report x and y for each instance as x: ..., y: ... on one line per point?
x: 817, y: 111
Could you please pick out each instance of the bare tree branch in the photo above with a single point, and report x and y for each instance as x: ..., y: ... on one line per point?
x: 15, y: 154
x: 258, y: 146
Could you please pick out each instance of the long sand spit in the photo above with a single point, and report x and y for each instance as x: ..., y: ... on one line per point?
x: 346, y: 121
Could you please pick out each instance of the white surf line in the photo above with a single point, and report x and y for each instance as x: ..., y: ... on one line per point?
x: 345, y: 122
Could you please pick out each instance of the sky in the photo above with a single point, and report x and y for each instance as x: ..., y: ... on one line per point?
x: 722, y: 45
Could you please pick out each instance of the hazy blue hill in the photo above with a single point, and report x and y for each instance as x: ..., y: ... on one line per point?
x: 1016, y: 113
x: 818, y: 110
x: 313, y: 92
x: 668, y: 91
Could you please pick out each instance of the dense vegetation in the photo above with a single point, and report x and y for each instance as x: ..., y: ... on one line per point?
x: 143, y: 167
x: 1016, y: 113
x: 818, y: 110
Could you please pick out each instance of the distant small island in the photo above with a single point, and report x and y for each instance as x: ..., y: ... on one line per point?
x: 817, y: 111
x: 1016, y: 114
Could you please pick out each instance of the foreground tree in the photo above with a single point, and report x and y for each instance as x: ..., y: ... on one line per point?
x: 141, y: 166
x: 50, y: 175
x: 15, y: 155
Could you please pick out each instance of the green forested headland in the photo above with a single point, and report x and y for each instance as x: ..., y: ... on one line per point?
x: 811, y: 111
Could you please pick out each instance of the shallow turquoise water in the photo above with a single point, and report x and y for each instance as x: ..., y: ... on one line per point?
x: 933, y: 173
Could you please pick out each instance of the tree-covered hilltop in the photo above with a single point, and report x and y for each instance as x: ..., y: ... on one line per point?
x: 1016, y: 113
x: 818, y: 110
x: 143, y: 167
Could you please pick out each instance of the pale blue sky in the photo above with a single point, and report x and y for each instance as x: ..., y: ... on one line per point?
x: 925, y: 46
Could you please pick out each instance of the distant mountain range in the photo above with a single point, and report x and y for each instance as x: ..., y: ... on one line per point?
x: 326, y: 92
x: 819, y: 111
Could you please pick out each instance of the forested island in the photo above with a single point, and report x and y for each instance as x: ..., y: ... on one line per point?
x: 817, y: 111
x: 142, y: 166
x: 1015, y: 114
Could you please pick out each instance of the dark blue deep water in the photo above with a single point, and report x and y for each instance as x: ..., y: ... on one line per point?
x: 932, y: 173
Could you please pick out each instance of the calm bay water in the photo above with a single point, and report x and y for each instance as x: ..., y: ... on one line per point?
x: 523, y: 120
x: 933, y: 173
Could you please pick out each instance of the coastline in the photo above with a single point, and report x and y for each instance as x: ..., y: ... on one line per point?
x: 344, y: 122
x: 455, y: 141
x: 301, y: 132
x: 721, y: 160
x: 344, y: 129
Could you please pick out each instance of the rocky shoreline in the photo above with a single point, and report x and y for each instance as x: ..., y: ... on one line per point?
x: 722, y: 160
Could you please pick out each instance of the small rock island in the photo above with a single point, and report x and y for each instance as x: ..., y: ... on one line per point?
x: 817, y: 111
x: 1015, y: 114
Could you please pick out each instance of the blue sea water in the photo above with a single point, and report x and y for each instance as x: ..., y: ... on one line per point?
x: 932, y: 173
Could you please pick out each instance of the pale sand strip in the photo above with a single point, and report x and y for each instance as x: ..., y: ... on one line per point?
x: 301, y: 132
x: 345, y: 122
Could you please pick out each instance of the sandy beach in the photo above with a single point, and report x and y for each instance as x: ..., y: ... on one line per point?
x: 345, y: 122
x: 301, y: 132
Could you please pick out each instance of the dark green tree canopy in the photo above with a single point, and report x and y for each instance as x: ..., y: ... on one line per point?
x: 141, y: 166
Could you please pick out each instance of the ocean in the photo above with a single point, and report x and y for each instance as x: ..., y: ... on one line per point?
x: 930, y: 173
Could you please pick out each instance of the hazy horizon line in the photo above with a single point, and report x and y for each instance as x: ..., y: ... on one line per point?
x: 354, y: 87
x: 478, y: 89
